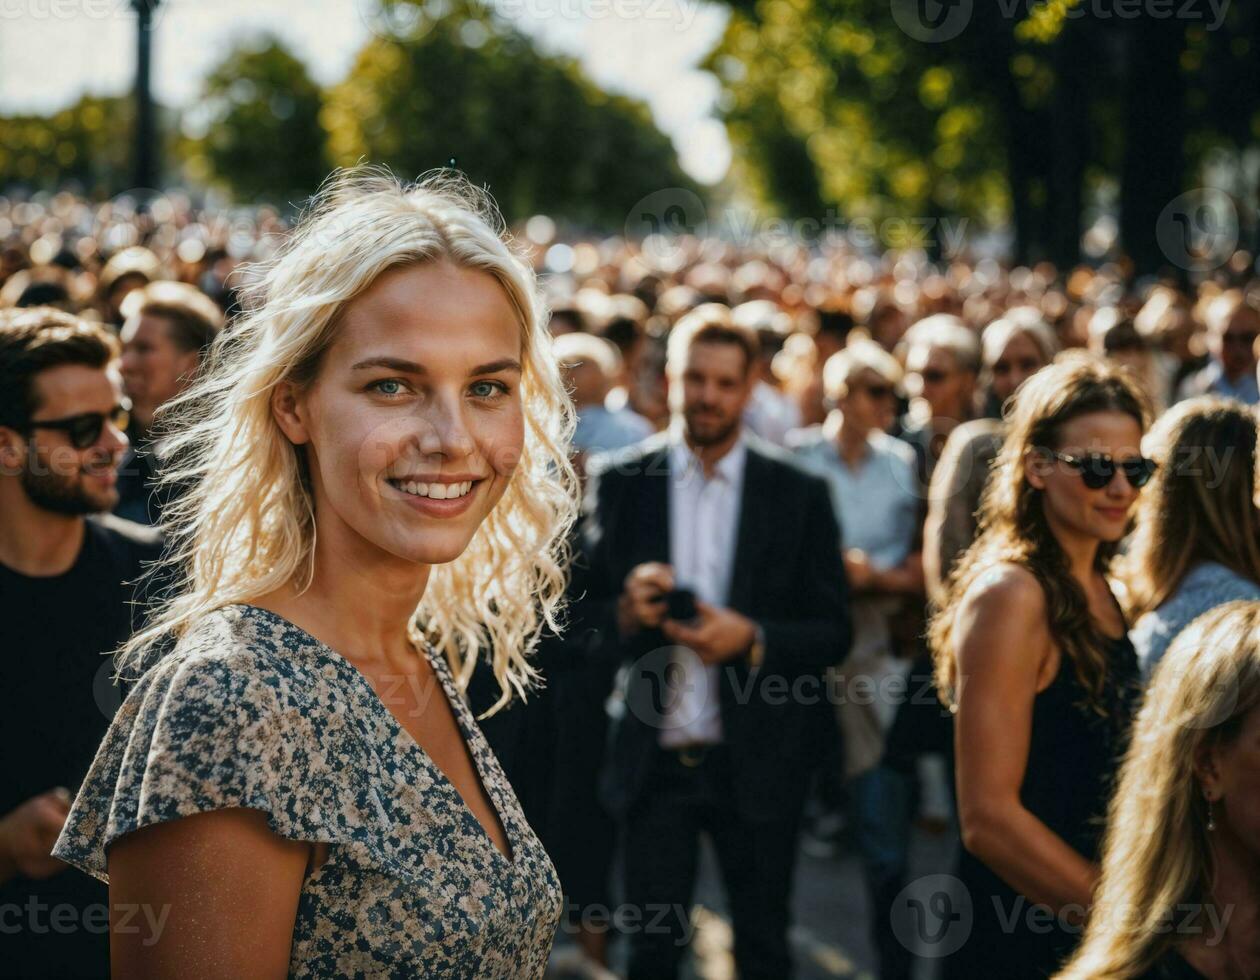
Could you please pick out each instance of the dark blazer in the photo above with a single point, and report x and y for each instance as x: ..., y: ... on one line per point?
x: 788, y: 576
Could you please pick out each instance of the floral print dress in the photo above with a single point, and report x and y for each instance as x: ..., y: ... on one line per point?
x: 250, y: 711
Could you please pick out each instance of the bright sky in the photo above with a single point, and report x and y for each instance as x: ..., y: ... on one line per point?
x: 51, y: 51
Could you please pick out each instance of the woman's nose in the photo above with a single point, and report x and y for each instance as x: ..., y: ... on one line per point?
x: 445, y: 430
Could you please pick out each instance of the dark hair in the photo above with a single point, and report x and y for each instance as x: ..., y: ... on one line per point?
x: 572, y: 315
x: 711, y: 323
x: 622, y: 331
x: 36, y: 339
x: 836, y: 323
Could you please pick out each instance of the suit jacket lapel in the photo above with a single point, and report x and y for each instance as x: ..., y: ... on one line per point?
x: 753, y: 524
x: 654, y: 526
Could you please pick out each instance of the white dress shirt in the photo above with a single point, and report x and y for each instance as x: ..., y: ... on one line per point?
x: 703, y: 524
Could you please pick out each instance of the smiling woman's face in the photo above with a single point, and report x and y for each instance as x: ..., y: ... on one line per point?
x: 413, y: 424
x: 1072, y: 506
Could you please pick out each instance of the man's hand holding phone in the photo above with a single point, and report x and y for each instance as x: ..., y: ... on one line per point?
x: 642, y: 604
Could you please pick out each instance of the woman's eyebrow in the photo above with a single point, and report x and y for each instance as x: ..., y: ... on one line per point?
x: 411, y: 367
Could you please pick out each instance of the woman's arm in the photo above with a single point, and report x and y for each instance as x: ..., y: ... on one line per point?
x: 212, y: 895
x: 1003, y: 646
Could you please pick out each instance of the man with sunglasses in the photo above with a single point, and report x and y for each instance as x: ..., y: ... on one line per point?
x: 66, y: 574
x: 942, y: 367
x: 1233, y: 328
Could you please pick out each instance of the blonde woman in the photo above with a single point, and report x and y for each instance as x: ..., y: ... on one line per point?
x: 295, y: 785
x: 1197, y: 543
x: 1179, y: 897
x: 1032, y: 653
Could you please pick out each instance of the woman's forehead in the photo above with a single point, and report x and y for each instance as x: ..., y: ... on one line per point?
x: 1108, y: 431
x: 432, y: 312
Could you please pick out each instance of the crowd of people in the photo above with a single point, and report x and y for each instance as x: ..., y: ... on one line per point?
x: 464, y: 582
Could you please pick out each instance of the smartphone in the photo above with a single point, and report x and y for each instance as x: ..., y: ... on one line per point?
x: 681, y: 604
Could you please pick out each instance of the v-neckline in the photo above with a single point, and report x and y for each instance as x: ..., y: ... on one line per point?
x: 400, y: 733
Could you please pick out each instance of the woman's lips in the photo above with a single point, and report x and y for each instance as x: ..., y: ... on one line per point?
x: 438, y: 508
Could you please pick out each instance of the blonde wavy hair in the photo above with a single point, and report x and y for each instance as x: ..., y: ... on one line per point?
x: 1189, y: 514
x: 1013, y: 525
x: 1157, y: 853
x: 245, y: 524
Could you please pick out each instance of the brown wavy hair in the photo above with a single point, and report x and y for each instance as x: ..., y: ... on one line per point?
x: 1013, y: 526
x: 1201, y: 505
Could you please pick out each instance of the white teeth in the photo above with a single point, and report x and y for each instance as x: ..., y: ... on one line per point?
x: 435, y: 491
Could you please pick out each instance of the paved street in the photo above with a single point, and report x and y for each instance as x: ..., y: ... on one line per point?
x: 829, y: 934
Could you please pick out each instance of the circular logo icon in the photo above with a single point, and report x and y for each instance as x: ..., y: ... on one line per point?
x: 1198, y: 230
x: 664, y: 220
x: 665, y: 688
x: 932, y: 916
x: 105, y: 692
x: 932, y: 21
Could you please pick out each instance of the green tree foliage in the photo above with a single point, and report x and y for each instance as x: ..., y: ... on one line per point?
x: 456, y: 84
x: 883, y: 126
x: 259, y: 130
x: 84, y: 145
x: 1024, y: 113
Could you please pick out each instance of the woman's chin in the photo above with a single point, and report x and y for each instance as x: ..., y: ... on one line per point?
x: 429, y: 551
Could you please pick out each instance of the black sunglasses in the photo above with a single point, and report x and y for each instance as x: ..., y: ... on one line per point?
x: 84, y: 430
x: 1097, y: 469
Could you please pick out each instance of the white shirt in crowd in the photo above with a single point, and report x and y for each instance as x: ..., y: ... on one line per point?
x: 703, y: 523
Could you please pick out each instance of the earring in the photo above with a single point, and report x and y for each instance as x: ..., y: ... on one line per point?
x: 1211, y: 821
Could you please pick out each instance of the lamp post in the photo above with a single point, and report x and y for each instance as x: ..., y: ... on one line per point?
x: 146, y: 157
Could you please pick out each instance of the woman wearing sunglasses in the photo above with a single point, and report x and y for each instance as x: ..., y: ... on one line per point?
x: 1197, y: 539
x: 295, y: 785
x: 1033, y: 657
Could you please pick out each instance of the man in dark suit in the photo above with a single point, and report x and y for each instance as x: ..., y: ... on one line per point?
x: 723, y: 713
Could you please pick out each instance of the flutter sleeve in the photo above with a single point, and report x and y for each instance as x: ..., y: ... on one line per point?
x: 198, y: 732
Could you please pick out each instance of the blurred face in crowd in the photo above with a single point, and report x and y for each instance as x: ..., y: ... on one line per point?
x: 941, y: 382
x: 586, y: 380
x: 1020, y: 360
x: 711, y: 391
x: 413, y: 424
x: 154, y: 368
x: 56, y: 474
x: 1071, y: 507
x: 1232, y: 340
x: 1232, y: 767
x: 868, y: 404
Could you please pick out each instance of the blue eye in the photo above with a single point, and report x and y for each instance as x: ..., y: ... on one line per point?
x: 496, y: 388
x: 379, y: 386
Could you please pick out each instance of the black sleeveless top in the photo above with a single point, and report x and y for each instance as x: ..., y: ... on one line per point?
x: 1073, y: 758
